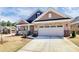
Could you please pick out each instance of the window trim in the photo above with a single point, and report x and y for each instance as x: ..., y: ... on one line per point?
x: 49, y: 15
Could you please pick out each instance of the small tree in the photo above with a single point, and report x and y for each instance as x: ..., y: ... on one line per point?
x: 14, y: 24
x: 1, y: 39
x: 73, y: 34
x: 9, y: 23
x: 3, y: 23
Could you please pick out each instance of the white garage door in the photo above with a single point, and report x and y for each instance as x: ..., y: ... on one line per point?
x: 51, y: 31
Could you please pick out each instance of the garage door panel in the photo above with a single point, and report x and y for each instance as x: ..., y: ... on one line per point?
x: 56, y: 31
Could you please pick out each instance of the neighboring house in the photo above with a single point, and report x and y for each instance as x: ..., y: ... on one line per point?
x: 75, y: 25
x: 53, y: 23
x: 12, y: 29
x: 5, y: 29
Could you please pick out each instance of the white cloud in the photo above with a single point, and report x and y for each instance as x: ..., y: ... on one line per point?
x: 71, y: 11
x: 11, y: 18
x: 24, y: 12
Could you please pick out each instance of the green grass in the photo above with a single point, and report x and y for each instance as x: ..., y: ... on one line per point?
x: 75, y: 40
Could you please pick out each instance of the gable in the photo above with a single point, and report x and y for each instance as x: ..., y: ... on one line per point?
x: 51, y: 14
x: 22, y: 22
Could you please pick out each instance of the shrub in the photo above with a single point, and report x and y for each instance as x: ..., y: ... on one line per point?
x: 35, y: 34
x: 73, y: 34
x: 29, y: 33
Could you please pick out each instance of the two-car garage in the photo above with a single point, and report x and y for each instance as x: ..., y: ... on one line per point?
x: 51, y: 31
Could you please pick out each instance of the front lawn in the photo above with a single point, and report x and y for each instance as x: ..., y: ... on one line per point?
x: 13, y: 43
x: 75, y: 40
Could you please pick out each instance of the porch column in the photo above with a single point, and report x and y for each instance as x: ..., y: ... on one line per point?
x: 66, y: 30
x: 37, y: 27
x: 28, y: 27
x: 17, y: 28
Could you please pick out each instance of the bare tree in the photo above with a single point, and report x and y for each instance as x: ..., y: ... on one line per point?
x: 1, y: 36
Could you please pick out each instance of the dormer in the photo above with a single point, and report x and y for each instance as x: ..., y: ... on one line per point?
x: 38, y: 13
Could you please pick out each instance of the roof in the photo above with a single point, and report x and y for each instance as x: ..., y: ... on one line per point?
x: 44, y: 22
x: 75, y: 20
x: 53, y: 11
x: 51, y: 19
x: 22, y: 22
x: 34, y: 16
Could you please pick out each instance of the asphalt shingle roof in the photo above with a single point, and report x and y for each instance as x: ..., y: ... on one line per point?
x: 34, y: 16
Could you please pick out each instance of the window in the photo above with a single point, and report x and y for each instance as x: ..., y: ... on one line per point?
x: 59, y: 26
x: 21, y: 28
x: 53, y: 26
x: 41, y: 26
x: 46, y: 26
x: 49, y: 15
x: 66, y: 25
x: 38, y: 14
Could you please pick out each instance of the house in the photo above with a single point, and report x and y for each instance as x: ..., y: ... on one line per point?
x: 49, y: 23
x: 75, y: 25
x: 52, y: 23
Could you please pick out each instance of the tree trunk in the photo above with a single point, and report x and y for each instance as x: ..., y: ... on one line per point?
x: 1, y: 39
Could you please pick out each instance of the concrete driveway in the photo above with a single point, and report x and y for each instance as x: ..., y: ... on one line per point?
x: 50, y: 45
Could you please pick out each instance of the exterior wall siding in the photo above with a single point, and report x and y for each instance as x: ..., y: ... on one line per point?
x: 53, y: 16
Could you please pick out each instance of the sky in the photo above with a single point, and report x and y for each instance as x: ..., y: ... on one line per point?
x: 14, y: 14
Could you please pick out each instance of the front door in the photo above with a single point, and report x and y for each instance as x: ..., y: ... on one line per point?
x: 32, y: 28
